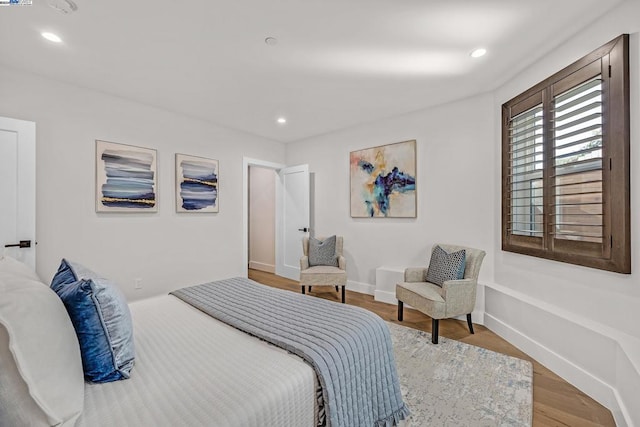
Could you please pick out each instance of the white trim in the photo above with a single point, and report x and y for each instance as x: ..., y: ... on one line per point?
x: 386, y: 297
x: 269, y: 268
x: 619, y: 348
x: 363, y: 288
x: 246, y: 162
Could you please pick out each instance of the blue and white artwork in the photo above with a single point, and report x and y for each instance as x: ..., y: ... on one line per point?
x: 196, y: 184
x: 126, y: 178
x: 383, y: 181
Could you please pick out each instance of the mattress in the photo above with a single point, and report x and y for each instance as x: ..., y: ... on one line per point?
x: 192, y: 370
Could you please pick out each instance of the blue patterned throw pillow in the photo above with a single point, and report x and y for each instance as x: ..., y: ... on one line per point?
x: 446, y: 266
x: 100, y: 315
x: 323, y: 252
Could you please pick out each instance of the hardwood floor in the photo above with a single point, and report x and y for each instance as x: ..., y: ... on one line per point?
x: 555, y: 402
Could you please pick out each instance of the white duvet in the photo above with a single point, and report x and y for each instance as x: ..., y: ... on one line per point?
x: 192, y: 370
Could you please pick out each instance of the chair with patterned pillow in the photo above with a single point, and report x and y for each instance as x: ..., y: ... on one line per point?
x: 322, y: 263
x: 447, y: 288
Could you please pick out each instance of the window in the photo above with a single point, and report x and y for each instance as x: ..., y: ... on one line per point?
x: 565, y: 164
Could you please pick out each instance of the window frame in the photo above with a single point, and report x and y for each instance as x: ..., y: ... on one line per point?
x: 614, y: 253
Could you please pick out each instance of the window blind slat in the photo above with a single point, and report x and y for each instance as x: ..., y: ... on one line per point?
x: 579, y: 120
x: 578, y: 89
x: 518, y: 132
x: 596, y: 127
x: 578, y: 153
x: 578, y: 142
x: 560, y: 109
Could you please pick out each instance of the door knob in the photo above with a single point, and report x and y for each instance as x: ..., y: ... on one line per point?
x: 305, y: 229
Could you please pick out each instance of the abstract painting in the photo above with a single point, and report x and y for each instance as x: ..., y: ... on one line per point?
x: 383, y: 181
x: 126, y: 178
x: 196, y: 184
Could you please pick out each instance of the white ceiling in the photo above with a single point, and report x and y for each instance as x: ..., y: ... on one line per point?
x: 337, y: 63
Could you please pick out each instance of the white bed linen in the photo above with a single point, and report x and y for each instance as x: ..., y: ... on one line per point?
x: 192, y: 370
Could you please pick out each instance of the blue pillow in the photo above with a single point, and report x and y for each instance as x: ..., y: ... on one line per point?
x: 101, y: 318
x: 446, y: 266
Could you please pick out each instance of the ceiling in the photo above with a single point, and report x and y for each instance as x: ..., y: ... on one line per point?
x: 336, y: 63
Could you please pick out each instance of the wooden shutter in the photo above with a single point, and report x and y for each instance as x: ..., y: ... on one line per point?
x: 566, y: 164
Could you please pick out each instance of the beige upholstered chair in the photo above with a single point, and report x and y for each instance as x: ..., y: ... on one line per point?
x: 454, y: 298
x: 323, y: 275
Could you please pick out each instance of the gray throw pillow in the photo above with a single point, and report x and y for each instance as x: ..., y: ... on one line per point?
x: 446, y: 266
x: 323, y: 252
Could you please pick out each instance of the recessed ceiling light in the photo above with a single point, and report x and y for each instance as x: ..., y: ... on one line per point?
x: 271, y: 41
x: 281, y: 120
x: 478, y: 53
x: 51, y: 37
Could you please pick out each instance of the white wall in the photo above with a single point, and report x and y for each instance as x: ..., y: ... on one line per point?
x: 577, y: 318
x: 166, y: 250
x: 262, y: 219
x: 580, y: 322
x: 455, y: 191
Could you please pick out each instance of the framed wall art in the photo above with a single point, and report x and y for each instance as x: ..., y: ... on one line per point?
x: 383, y: 181
x: 126, y: 178
x: 196, y: 184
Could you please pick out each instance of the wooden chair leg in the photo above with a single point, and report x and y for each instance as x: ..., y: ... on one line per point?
x: 470, y: 323
x: 343, y: 286
x: 303, y: 289
x: 435, y: 323
x: 400, y: 307
x: 309, y: 288
x: 336, y: 288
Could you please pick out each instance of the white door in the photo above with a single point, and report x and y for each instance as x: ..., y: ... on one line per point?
x: 292, y: 219
x: 18, y: 189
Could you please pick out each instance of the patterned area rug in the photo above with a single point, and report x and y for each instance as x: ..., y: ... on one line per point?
x: 457, y: 384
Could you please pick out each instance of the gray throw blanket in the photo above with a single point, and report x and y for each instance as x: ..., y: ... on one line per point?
x: 350, y: 348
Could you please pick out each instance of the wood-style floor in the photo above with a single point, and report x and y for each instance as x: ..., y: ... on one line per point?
x: 555, y: 402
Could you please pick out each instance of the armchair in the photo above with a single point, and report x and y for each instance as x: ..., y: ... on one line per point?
x: 454, y: 298
x: 323, y: 275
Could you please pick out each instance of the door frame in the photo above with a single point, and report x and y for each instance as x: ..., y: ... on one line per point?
x: 246, y: 163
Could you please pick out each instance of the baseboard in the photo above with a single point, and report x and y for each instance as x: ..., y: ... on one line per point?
x: 385, y: 296
x: 269, y: 268
x: 363, y: 288
x: 595, y: 361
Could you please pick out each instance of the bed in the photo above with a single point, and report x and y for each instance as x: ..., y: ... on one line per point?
x: 190, y: 368
x: 247, y: 382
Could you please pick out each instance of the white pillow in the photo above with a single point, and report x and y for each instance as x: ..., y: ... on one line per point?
x: 17, y: 407
x: 45, y: 352
x: 14, y: 268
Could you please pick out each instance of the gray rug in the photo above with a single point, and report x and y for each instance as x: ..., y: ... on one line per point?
x: 457, y: 384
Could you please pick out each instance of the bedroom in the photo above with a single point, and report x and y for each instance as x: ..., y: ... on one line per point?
x: 533, y: 303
